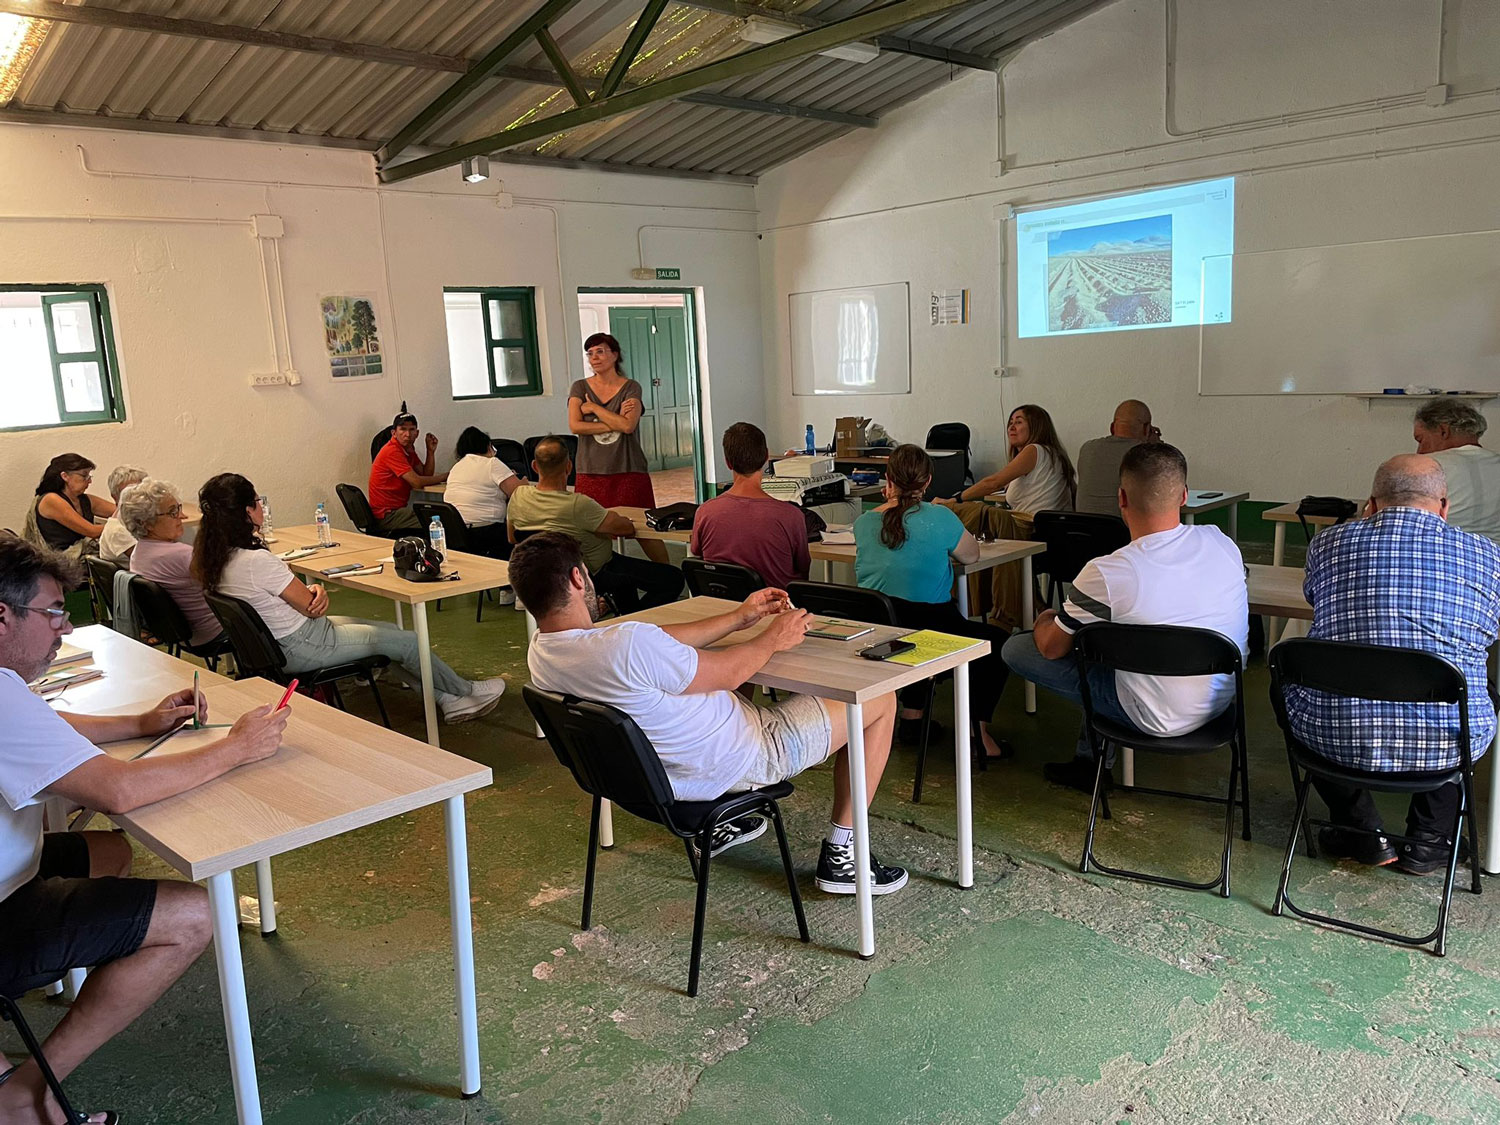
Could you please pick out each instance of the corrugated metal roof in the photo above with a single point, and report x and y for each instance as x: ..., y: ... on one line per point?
x: 160, y: 80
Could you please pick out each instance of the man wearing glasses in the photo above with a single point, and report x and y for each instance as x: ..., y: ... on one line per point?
x: 65, y: 899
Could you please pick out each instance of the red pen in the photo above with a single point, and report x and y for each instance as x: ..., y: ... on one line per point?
x: 291, y: 687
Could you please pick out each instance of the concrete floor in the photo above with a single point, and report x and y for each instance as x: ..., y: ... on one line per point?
x: 1039, y: 995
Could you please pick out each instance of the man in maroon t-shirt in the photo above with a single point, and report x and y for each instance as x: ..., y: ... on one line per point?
x: 745, y: 526
x: 396, y: 472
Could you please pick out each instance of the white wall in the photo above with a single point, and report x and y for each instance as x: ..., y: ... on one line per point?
x: 164, y: 223
x: 1278, y: 92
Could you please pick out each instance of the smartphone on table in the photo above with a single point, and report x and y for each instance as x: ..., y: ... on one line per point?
x: 886, y: 649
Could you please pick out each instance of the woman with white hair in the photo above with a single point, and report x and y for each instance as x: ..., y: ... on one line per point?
x: 1449, y: 430
x: 152, y: 513
x: 115, y: 542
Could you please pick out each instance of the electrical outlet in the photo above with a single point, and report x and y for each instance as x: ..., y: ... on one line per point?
x: 274, y: 379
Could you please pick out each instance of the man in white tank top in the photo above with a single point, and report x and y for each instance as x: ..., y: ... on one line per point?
x: 1170, y: 573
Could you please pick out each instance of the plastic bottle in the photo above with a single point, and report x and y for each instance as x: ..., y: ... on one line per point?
x: 267, y: 532
x: 325, y: 529
x: 812, y: 445
x: 437, y: 537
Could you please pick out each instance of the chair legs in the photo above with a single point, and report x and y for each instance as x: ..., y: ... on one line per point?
x: 705, y: 841
x: 379, y: 703
x: 791, y: 874
x: 588, y: 878
x: 11, y: 1012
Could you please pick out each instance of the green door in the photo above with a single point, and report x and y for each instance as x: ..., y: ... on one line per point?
x: 653, y: 346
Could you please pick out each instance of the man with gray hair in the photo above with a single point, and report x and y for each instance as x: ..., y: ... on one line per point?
x: 1099, y: 459
x: 1404, y: 578
x: 1448, y: 431
x: 115, y: 541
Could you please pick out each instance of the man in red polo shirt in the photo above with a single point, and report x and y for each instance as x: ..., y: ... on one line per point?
x: 396, y: 472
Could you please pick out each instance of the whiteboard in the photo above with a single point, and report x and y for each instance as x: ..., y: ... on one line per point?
x: 1359, y: 317
x: 852, y: 341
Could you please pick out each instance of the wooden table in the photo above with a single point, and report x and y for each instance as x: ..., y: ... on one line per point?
x: 1287, y: 513
x: 832, y: 670
x: 1276, y: 591
x: 334, y: 773
x: 306, y: 535
x: 478, y: 574
x: 1199, y: 501
x: 995, y: 552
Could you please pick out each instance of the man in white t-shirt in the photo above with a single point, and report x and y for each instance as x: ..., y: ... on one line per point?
x: 680, y: 692
x: 65, y: 900
x: 1170, y: 573
x: 1449, y: 431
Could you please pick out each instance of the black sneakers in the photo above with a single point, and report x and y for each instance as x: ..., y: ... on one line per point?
x: 1336, y: 843
x: 1427, y: 854
x: 836, y: 872
x: 733, y: 833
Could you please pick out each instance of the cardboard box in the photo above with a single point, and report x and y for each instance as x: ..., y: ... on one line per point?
x: 849, y: 436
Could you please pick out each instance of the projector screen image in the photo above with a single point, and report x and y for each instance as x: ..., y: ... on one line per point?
x: 1129, y: 261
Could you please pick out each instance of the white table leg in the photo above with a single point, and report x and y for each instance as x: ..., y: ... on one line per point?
x: 1028, y: 619
x: 424, y: 660
x: 1190, y: 518
x: 963, y: 594
x: 1234, y: 521
x: 267, y: 896
x: 1129, y: 768
x: 865, y: 901
x: 74, y: 981
x: 226, y: 921
x: 400, y: 617
x: 463, y: 946
x: 962, y: 771
x: 1491, y: 864
x: 531, y: 632
x: 1278, y: 544
x: 606, y: 825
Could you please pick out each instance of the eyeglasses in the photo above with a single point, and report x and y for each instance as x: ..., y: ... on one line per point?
x: 58, y: 616
x: 175, y: 511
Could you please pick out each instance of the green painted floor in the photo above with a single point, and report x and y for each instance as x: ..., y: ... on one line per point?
x: 1039, y: 995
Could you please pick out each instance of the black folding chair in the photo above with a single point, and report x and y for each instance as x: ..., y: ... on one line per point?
x: 612, y: 760
x: 513, y: 453
x: 947, y: 476
x: 1073, y: 539
x: 721, y: 579
x: 1165, y: 650
x: 952, y: 435
x: 378, y: 442
x: 570, y: 440
x: 1394, y: 675
x: 257, y: 653
x: 358, y: 509
x: 11, y: 1011
x: 455, y: 533
x: 101, y: 574
x: 161, y: 616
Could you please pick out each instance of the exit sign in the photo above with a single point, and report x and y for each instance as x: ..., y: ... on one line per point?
x: 668, y: 273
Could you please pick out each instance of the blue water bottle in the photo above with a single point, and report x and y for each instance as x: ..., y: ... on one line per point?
x: 812, y: 446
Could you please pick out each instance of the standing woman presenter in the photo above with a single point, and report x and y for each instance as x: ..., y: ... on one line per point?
x: 604, y: 411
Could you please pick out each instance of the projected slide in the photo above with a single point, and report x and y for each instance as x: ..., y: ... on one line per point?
x: 1129, y: 261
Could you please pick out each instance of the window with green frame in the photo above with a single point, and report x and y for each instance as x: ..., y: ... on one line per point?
x: 492, y: 348
x: 57, y: 357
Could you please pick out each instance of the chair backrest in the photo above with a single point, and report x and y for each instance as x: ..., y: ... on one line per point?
x: 513, y: 453
x: 101, y: 574
x: 721, y: 579
x: 1073, y: 538
x: 455, y: 531
x: 1158, y: 650
x: 523, y: 534
x: 378, y: 441
x: 356, y: 507
x: 833, y: 600
x: 256, y: 652
x: 951, y: 435
x: 158, y: 613
x: 605, y: 751
x: 570, y: 440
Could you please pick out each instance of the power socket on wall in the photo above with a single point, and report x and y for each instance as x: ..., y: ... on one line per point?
x: 274, y: 379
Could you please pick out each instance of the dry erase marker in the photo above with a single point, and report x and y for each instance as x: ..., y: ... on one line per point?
x: 291, y: 687
x: 197, y: 702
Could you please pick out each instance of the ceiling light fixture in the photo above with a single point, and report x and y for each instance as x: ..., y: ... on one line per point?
x: 476, y: 168
x: 759, y: 29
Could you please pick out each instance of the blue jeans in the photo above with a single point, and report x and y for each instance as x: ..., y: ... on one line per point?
x: 1060, y: 677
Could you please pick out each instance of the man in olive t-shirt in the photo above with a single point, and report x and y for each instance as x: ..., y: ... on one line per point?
x: 1099, y: 459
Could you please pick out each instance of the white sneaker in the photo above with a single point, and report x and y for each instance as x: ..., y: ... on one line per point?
x: 480, y: 701
x: 505, y: 596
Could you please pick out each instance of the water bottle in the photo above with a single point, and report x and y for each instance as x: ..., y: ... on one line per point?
x: 437, y: 537
x: 325, y: 530
x: 812, y: 446
x: 267, y: 532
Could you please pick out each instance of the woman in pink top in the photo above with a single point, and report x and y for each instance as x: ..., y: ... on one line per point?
x: 152, y: 512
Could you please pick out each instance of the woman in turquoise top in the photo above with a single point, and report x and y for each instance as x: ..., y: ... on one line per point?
x: 906, y: 549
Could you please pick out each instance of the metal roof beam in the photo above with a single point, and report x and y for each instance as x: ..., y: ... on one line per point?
x: 51, y: 117
x: 623, y: 169
x: 898, y: 44
x: 564, y: 69
x: 632, y: 46
x: 753, y: 61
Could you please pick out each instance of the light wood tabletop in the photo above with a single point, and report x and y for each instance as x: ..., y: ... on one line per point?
x: 1283, y: 514
x: 306, y: 535
x: 1276, y: 591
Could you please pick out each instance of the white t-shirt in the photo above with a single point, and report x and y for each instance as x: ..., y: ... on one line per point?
x: 1190, y: 575
x: 1473, y: 474
x: 37, y: 747
x: 1044, y: 489
x: 474, y: 488
x: 115, y: 543
x: 705, y: 741
x: 258, y: 577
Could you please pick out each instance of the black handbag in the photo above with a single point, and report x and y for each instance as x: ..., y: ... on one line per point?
x: 816, y: 525
x: 673, y: 517
x: 415, y: 559
x: 1334, y: 506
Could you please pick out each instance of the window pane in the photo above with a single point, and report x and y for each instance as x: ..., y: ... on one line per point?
x: 83, y: 391
x: 466, y: 366
x: 510, y: 367
x: 73, y: 329
x: 507, y: 319
x: 25, y: 363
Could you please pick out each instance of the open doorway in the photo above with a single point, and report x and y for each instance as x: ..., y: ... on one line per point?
x: 658, y: 334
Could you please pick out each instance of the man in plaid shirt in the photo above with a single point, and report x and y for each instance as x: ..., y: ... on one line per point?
x: 1402, y: 577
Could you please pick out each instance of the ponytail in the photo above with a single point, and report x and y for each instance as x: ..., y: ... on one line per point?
x: 909, y: 471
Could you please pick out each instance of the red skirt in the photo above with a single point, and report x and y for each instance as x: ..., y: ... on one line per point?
x: 618, y: 490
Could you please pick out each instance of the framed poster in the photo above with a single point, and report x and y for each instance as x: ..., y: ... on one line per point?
x: 351, y: 335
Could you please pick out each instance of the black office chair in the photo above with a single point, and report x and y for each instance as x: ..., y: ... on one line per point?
x: 570, y: 440
x: 1165, y: 650
x: 455, y: 532
x: 101, y: 574
x: 358, y: 509
x: 513, y: 453
x: 1374, y: 672
x: 257, y: 653
x: 612, y: 760
x: 1073, y: 539
x: 952, y: 435
x: 721, y: 580
x: 11, y: 1011
x: 378, y: 442
x: 161, y: 616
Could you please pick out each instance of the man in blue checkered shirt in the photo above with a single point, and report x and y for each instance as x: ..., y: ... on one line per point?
x: 1402, y: 577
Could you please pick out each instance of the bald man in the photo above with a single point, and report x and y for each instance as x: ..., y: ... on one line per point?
x: 1401, y: 577
x: 1099, y: 459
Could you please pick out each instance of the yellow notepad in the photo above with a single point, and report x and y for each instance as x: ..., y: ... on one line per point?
x: 930, y: 646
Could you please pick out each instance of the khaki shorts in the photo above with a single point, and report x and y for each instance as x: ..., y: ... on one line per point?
x: 795, y: 735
